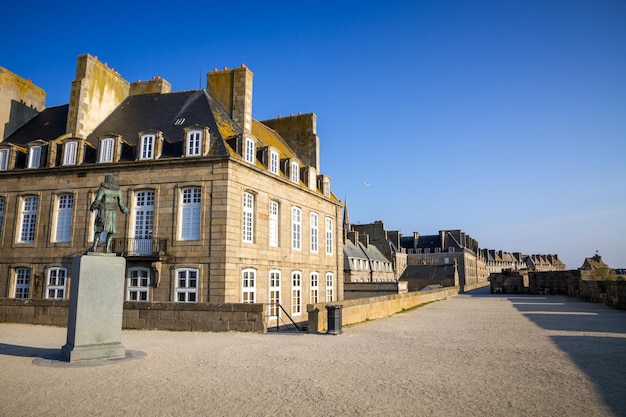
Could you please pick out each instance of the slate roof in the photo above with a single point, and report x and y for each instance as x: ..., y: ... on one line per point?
x: 169, y: 113
x: 46, y: 125
x: 428, y: 272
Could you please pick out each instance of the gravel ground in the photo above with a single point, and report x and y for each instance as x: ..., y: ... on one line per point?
x: 473, y: 355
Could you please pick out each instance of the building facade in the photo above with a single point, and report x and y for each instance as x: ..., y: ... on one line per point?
x: 223, y: 208
x: 449, y: 247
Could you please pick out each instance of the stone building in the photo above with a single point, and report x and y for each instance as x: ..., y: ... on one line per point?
x: 223, y: 208
x: 387, y: 242
x: 449, y: 247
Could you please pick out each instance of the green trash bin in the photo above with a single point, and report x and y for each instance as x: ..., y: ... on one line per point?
x: 334, y: 319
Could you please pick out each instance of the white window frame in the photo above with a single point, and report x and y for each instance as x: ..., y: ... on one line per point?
x: 296, y: 293
x: 193, y: 143
x: 274, y: 162
x: 4, y: 159
x: 314, y: 292
x: 107, y: 146
x: 34, y: 156
x: 188, y: 291
x: 273, y: 223
x: 249, y: 152
x: 274, y: 292
x: 63, y: 217
x: 70, y: 150
x: 296, y: 228
x: 329, y: 236
x: 28, y: 219
x: 146, y: 147
x: 248, y: 218
x: 329, y: 286
x: 190, y: 213
x: 56, y: 283
x: 138, y: 284
x: 22, y: 282
x: 248, y: 285
x: 314, y: 219
x: 295, y: 172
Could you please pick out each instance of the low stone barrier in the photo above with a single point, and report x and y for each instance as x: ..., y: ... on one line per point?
x: 362, y: 309
x: 148, y: 316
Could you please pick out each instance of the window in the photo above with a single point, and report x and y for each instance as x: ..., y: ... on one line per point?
x: 248, y: 217
x: 274, y: 293
x: 34, y: 156
x: 295, y: 177
x: 190, y: 214
x: 248, y: 286
x: 314, y: 232
x: 106, y: 150
x: 274, y: 162
x: 194, y: 143
x: 146, y: 150
x: 143, y: 223
x: 55, y: 286
x: 329, y: 236
x: 69, y: 153
x: 249, y: 152
x: 22, y: 282
x: 65, y: 208
x: 296, y: 228
x: 138, y: 284
x: 273, y: 222
x: 186, y: 285
x: 28, y: 221
x: 296, y: 293
x: 329, y: 286
x: 4, y: 159
x: 2, y: 205
x: 315, y: 279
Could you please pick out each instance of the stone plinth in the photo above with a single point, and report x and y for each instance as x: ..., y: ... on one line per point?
x: 94, y: 328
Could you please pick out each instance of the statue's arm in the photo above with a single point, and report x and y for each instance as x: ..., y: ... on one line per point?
x: 121, y: 203
x: 97, y: 201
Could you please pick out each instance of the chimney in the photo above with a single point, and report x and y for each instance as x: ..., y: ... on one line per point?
x: 96, y: 92
x: 155, y: 85
x: 20, y: 100
x: 233, y: 90
x: 364, y: 238
x: 353, y: 236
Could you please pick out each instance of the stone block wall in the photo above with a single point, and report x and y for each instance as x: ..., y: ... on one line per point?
x: 207, y: 317
x: 362, y: 309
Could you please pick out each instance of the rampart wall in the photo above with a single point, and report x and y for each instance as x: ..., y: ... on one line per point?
x: 147, y: 316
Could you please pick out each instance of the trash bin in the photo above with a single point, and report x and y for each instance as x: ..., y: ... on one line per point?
x: 334, y: 319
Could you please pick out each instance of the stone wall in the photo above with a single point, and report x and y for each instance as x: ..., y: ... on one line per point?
x: 146, y: 316
x: 362, y: 309
x: 574, y: 283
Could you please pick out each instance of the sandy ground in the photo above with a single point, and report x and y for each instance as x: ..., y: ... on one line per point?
x: 471, y: 355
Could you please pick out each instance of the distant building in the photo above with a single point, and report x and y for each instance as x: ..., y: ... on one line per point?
x: 449, y: 247
x: 420, y: 276
x: 595, y: 262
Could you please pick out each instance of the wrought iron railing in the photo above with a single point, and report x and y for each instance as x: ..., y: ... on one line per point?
x: 139, y: 247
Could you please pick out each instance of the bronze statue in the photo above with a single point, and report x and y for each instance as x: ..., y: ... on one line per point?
x: 109, y: 196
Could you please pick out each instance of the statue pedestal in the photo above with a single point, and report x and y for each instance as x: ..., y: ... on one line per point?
x: 94, y: 328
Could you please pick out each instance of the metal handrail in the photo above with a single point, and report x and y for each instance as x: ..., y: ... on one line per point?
x: 278, y: 317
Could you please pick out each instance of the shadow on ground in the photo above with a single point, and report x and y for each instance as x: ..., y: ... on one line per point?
x: 30, y: 352
x: 593, y: 335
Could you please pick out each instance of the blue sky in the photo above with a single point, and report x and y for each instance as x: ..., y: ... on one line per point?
x: 506, y: 119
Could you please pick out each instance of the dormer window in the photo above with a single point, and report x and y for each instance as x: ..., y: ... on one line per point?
x: 146, y: 150
x: 70, y: 149
x: 34, y: 156
x: 4, y: 159
x: 274, y: 162
x: 295, y: 172
x: 106, y: 150
x: 194, y: 143
x: 249, y: 154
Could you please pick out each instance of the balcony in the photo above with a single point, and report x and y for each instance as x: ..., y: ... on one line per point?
x: 128, y: 247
